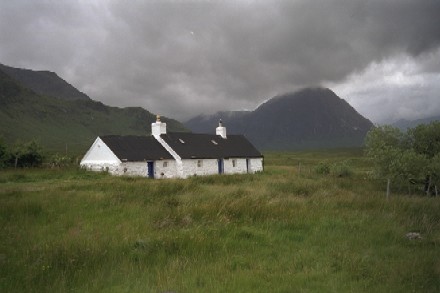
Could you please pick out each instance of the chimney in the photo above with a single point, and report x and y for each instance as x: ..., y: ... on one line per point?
x: 220, y: 130
x: 158, y: 128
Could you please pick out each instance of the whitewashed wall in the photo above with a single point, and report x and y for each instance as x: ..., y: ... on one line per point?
x: 256, y: 165
x: 101, y: 167
x: 132, y: 169
x: 210, y: 166
x: 190, y: 167
x: 161, y: 172
x: 240, y: 166
x: 100, y: 158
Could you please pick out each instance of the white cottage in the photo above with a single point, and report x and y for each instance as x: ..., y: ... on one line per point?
x: 173, y: 155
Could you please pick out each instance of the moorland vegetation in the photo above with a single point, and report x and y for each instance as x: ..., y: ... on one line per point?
x: 311, y: 222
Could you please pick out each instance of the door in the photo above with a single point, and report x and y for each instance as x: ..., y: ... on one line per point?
x: 248, y: 164
x: 221, y: 166
x: 150, y: 169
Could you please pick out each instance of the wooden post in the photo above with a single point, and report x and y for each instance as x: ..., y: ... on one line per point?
x: 436, y: 194
x: 388, y: 188
x: 429, y: 186
x: 299, y: 168
x: 16, y: 162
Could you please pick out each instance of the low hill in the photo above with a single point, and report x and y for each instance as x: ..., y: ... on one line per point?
x: 310, y: 118
x: 405, y: 124
x: 59, y: 123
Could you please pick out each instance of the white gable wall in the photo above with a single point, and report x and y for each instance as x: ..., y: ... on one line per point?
x: 100, y: 157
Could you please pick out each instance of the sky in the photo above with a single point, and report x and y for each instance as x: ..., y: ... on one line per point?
x: 182, y: 58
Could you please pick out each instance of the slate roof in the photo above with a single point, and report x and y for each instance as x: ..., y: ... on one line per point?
x: 207, y: 146
x: 136, y: 148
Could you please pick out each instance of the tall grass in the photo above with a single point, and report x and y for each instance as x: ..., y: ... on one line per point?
x: 285, y: 230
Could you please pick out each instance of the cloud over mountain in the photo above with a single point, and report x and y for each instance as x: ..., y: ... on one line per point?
x: 181, y: 58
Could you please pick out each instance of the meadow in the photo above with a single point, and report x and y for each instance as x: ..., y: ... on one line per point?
x: 292, y: 228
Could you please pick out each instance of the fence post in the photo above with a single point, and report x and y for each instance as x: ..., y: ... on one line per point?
x: 388, y: 188
x: 299, y: 168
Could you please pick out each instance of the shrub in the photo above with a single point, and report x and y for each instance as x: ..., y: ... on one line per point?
x: 410, y: 156
x: 58, y: 160
x: 341, y: 169
x: 28, y: 154
x: 323, y: 168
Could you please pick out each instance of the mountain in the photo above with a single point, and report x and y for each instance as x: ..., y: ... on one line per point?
x: 208, y: 123
x: 309, y: 118
x: 44, y: 83
x: 405, y: 124
x: 60, y: 123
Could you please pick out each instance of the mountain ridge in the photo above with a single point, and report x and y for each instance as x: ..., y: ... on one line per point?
x: 58, y: 123
x: 44, y: 82
x: 404, y: 124
x: 308, y: 118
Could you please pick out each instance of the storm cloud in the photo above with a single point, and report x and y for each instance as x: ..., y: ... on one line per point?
x: 183, y: 58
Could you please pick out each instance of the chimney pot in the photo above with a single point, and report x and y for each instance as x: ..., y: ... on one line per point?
x: 158, y: 128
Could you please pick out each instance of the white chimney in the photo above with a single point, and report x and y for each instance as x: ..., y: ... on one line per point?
x: 220, y: 130
x: 158, y: 128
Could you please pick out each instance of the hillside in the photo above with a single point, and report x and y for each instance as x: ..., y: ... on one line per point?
x: 57, y: 123
x: 405, y: 124
x: 310, y: 118
x: 44, y: 83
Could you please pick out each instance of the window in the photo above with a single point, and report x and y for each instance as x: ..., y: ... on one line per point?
x: 165, y: 164
x: 234, y: 163
x: 199, y: 163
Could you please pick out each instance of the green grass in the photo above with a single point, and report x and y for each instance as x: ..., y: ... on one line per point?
x: 284, y: 230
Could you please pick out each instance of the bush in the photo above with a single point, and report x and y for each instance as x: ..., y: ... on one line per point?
x: 323, y: 168
x: 412, y: 156
x: 28, y: 154
x: 58, y: 160
x: 341, y: 169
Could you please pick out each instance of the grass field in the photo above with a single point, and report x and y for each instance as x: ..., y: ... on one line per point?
x: 288, y: 229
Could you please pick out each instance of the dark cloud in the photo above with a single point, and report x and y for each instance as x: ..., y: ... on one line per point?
x: 181, y: 58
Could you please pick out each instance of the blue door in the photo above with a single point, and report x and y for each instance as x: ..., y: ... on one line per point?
x: 221, y: 166
x: 150, y: 169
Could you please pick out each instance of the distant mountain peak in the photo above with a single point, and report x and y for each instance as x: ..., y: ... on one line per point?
x: 311, y: 117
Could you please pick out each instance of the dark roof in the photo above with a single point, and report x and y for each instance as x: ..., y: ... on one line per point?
x: 136, y: 148
x: 192, y: 145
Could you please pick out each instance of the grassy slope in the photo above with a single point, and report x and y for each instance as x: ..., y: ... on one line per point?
x: 25, y: 115
x: 279, y: 231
